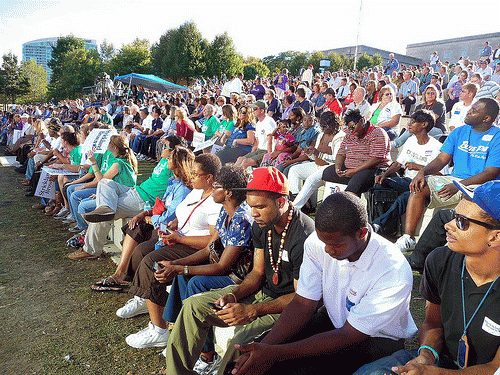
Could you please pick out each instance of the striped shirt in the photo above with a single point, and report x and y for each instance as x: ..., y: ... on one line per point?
x: 375, y: 144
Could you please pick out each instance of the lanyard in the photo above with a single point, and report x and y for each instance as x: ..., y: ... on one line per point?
x: 480, y: 303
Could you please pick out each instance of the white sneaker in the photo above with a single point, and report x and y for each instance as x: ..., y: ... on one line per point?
x: 149, y: 337
x: 164, y: 352
x: 133, y: 307
x: 62, y: 214
x: 406, y: 243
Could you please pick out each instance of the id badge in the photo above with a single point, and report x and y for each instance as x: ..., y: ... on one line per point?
x: 463, y: 352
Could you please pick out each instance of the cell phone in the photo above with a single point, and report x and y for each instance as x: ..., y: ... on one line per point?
x: 229, y: 368
x: 214, y: 306
x: 157, y: 266
x: 164, y: 229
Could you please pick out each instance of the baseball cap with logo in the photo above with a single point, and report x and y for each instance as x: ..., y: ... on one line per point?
x: 486, y: 196
x: 267, y: 179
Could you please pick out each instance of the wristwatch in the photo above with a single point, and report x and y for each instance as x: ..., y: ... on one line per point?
x: 186, y: 270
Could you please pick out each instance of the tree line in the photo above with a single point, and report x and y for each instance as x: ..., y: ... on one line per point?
x: 180, y: 55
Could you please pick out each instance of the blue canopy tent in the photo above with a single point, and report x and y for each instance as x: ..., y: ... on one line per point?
x: 151, y: 82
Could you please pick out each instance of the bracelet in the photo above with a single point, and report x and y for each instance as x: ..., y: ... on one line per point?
x: 432, y: 350
x: 186, y: 270
x: 235, y: 299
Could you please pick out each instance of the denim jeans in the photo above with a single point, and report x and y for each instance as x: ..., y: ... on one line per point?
x: 398, y: 208
x: 383, y: 365
x: 138, y: 141
x: 74, y: 200
x: 86, y: 205
x: 184, y: 287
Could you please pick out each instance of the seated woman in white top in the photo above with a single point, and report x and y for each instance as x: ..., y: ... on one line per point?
x: 386, y: 112
x: 323, y: 155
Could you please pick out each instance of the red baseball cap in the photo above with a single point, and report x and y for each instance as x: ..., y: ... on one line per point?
x: 267, y: 179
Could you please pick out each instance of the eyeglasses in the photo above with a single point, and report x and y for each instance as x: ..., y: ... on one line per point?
x: 165, y: 147
x: 462, y: 222
x: 216, y: 185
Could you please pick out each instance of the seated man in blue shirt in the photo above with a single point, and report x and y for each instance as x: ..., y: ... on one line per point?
x: 475, y: 151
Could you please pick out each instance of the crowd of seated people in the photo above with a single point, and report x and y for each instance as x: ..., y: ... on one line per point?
x: 229, y: 233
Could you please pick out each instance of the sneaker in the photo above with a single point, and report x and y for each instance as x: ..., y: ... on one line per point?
x: 133, y: 307
x: 406, y: 243
x: 74, y: 229
x: 69, y: 219
x: 61, y: 215
x: 164, y: 352
x: 213, y: 367
x: 149, y: 337
x: 376, y: 228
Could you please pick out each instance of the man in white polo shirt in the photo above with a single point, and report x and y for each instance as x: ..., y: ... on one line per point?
x: 365, y: 285
x: 263, y: 128
x: 460, y: 109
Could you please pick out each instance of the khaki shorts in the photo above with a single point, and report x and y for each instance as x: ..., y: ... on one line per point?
x: 435, y: 183
x: 256, y: 156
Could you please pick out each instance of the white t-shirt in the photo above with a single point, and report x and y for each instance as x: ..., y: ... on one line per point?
x: 204, y: 215
x: 420, y: 154
x: 55, y: 144
x: 389, y: 111
x: 262, y: 129
x: 147, y: 123
x: 458, y: 113
x: 372, y: 293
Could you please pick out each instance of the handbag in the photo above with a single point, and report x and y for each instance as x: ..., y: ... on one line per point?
x: 240, y: 268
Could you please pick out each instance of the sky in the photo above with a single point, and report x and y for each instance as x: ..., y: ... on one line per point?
x: 258, y: 28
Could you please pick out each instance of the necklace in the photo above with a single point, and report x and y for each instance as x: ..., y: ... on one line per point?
x: 276, y: 267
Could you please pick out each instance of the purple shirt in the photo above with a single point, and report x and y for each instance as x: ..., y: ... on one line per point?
x: 282, y: 81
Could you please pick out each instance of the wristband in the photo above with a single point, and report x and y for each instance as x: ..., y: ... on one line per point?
x: 235, y: 299
x: 186, y: 270
x: 432, y: 350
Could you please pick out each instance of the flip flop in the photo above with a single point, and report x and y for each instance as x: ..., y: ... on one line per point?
x: 110, y: 282
x: 97, y: 288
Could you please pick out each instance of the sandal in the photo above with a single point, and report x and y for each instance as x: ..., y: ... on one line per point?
x: 97, y: 288
x: 110, y: 281
x: 38, y: 206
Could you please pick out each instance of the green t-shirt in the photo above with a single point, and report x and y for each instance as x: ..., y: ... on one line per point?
x: 211, y: 125
x: 126, y: 175
x: 374, y: 118
x: 75, y: 155
x: 226, y: 125
x: 102, y: 160
x: 155, y: 185
x: 106, y: 119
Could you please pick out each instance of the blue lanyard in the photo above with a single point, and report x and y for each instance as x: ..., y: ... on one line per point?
x: 480, y: 303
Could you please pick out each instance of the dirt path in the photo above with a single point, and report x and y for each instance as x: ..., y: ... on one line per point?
x: 51, y: 322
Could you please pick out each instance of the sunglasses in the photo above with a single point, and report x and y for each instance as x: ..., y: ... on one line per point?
x: 216, y: 185
x: 462, y: 222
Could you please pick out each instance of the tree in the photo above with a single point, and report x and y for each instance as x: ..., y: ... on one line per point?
x: 107, y: 51
x: 132, y: 58
x: 364, y: 61
x: 377, y: 60
x: 180, y: 53
x: 221, y: 57
x: 335, y: 61
x: 13, y: 84
x: 80, y: 69
x: 255, y: 69
x: 37, y: 78
x: 314, y: 60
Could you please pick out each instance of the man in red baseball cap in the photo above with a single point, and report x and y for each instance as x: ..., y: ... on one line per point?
x: 278, y: 232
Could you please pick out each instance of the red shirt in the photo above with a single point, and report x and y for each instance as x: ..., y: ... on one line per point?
x: 184, y: 131
x: 335, y: 106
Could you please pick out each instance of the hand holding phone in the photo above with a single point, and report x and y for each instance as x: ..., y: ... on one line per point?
x: 215, y: 307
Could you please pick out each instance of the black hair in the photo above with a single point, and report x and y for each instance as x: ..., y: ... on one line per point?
x: 490, y: 107
x: 299, y: 112
x: 424, y: 116
x: 301, y: 92
x: 353, y: 115
x: 209, y: 163
x: 330, y: 119
x: 174, y: 140
x: 341, y: 212
x: 232, y: 177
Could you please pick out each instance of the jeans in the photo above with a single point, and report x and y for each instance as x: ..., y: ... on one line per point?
x: 30, y: 168
x: 138, y: 141
x: 358, y: 184
x: 86, y: 205
x: 74, y: 200
x: 398, y: 208
x: 383, y: 365
x: 184, y: 287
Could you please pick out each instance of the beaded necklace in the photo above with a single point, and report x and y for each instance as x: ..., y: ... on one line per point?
x: 276, y: 267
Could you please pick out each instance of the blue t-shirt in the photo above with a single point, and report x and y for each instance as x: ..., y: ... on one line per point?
x: 472, y: 152
x: 304, y: 137
x: 240, y: 133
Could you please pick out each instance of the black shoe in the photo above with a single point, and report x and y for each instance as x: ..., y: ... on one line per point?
x: 29, y: 193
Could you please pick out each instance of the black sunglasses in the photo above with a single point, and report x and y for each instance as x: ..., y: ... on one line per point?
x: 462, y: 222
